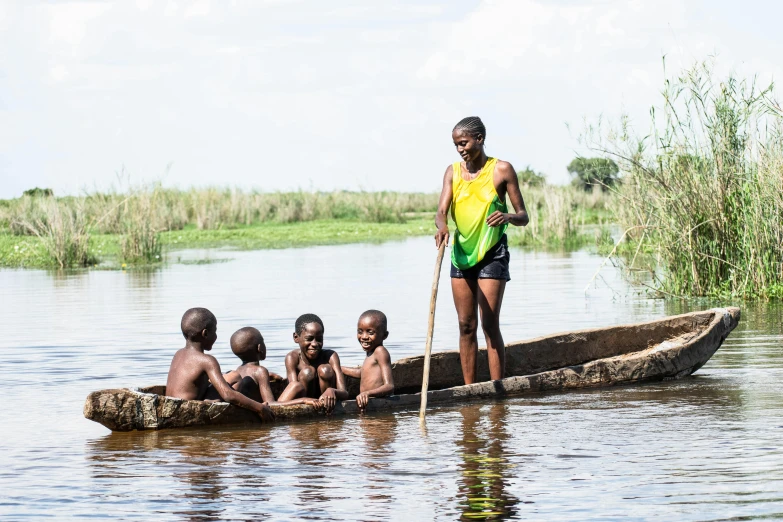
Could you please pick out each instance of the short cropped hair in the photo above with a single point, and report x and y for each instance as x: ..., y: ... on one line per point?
x: 195, y: 321
x: 304, y: 320
x: 379, y: 316
x: 472, y: 126
x: 245, y: 340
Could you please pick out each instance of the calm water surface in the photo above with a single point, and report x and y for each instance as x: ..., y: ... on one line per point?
x: 703, y: 448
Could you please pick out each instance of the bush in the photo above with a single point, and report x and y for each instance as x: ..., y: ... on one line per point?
x: 592, y: 172
x: 530, y: 178
x: 39, y: 192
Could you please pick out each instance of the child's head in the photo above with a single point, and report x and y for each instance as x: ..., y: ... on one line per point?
x: 371, y: 330
x: 199, y: 325
x: 309, y: 335
x: 248, y: 344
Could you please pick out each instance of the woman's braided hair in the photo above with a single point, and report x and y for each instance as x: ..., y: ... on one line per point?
x: 472, y: 126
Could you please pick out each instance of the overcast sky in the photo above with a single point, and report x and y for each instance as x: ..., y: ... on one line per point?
x: 279, y: 94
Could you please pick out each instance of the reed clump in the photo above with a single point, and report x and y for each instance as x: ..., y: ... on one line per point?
x: 130, y: 224
x: 62, y: 227
x: 138, y: 215
x: 701, y: 196
x: 140, y: 240
x: 214, y: 208
x: 558, y: 215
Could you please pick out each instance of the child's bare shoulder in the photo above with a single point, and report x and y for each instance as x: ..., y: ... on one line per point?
x: 259, y: 371
x: 381, y: 354
x: 190, y: 355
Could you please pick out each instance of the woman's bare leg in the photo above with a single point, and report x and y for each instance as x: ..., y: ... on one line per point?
x: 466, y: 302
x: 490, y: 297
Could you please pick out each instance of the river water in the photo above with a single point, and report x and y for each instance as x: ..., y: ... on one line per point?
x: 709, y: 447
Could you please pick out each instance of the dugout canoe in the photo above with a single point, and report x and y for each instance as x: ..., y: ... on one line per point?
x: 664, y: 349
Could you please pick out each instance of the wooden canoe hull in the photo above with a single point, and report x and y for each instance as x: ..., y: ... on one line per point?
x: 669, y: 348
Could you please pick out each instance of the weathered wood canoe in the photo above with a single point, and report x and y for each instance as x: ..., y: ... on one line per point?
x: 668, y: 348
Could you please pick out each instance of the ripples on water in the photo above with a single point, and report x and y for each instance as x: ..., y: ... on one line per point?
x: 702, y: 448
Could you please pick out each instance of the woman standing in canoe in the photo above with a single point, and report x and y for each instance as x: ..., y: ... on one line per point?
x: 475, y: 189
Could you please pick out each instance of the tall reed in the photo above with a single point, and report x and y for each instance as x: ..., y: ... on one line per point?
x: 62, y: 227
x: 557, y: 214
x: 702, y: 193
x: 214, y: 208
x: 140, y: 241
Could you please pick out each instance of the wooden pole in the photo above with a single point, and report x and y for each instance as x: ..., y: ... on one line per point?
x: 425, y: 380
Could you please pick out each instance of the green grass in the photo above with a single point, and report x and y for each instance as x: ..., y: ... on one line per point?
x: 137, y: 227
x: 29, y: 251
x: 23, y: 252
x: 292, y: 235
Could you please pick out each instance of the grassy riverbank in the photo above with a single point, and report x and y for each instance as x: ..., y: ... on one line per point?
x: 106, y: 249
x: 139, y: 226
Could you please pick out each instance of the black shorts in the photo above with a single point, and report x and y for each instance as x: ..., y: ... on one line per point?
x: 493, y: 266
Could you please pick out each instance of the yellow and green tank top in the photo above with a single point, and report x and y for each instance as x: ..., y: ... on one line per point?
x: 472, y: 202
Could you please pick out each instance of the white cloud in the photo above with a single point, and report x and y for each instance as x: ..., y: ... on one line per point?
x: 198, y: 8
x: 68, y: 23
x: 282, y: 94
x: 58, y: 72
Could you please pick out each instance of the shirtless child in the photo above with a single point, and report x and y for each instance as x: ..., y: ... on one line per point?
x: 250, y: 378
x: 192, y: 370
x: 312, y: 371
x: 375, y: 374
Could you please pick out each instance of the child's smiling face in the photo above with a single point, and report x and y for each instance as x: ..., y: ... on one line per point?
x: 310, y: 340
x: 370, y: 333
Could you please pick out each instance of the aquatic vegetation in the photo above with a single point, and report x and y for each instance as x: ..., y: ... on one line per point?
x: 558, y: 215
x: 136, y: 224
x: 701, y: 194
x: 61, y: 228
x: 140, y: 241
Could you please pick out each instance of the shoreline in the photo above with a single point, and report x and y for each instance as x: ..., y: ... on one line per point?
x: 29, y: 252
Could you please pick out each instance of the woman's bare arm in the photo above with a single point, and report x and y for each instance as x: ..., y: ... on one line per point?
x: 509, y: 178
x: 442, y: 215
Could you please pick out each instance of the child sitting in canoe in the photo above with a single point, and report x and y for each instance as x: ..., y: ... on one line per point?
x: 313, y: 371
x: 192, y: 370
x: 250, y: 378
x: 375, y: 373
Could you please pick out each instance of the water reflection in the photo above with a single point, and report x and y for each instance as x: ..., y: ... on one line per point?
x: 485, y: 466
x: 316, y: 447
x: 706, y: 447
x: 144, y: 278
x: 204, y: 463
x: 378, y: 433
x: 67, y: 278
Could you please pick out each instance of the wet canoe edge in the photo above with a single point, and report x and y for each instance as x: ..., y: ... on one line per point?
x: 665, y: 358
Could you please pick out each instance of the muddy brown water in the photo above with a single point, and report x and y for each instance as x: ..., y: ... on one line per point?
x: 703, y: 448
